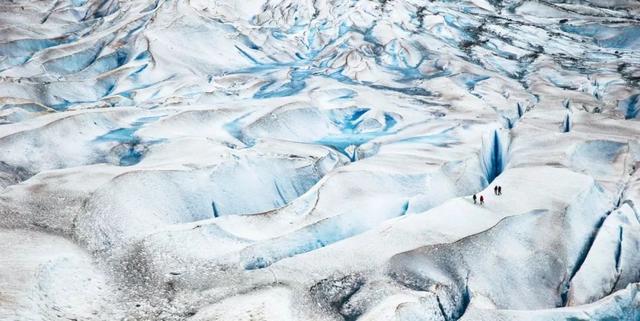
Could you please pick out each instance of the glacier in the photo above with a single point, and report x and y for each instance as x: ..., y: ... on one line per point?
x: 279, y: 160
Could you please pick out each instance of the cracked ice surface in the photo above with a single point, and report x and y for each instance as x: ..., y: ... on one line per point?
x: 315, y: 160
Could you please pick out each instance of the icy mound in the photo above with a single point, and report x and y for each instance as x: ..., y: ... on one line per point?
x: 316, y: 160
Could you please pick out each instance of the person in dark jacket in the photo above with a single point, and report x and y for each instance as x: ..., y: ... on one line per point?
x: 499, y: 190
x: 474, y: 199
x: 495, y: 190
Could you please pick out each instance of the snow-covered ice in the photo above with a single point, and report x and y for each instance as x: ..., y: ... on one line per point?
x: 316, y: 160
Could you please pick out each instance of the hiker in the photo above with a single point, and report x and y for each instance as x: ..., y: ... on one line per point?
x: 499, y: 190
x: 495, y: 190
x: 481, y: 200
x: 474, y: 199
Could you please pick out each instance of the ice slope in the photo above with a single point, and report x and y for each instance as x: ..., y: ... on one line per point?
x: 46, y: 277
x: 315, y: 160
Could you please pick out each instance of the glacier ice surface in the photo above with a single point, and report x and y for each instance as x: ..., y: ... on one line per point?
x: 316, y: 160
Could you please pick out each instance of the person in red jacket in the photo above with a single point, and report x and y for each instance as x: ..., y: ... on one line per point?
x: 481, y: 200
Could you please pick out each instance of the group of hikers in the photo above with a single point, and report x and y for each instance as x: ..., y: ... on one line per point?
x: 496, y: 190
